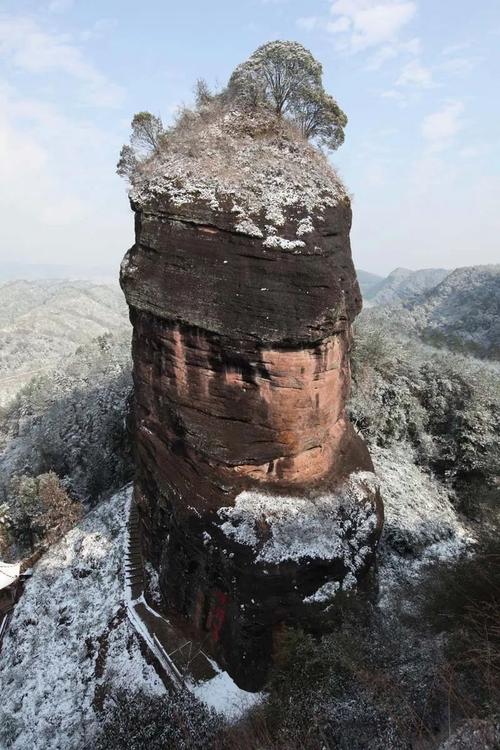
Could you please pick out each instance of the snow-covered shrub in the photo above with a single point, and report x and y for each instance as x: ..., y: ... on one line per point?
x: 370, y: 684
x: 69, y: 639
x: 178, y: 720
x: 386, y: 409
x: 446, y: 407
x: 38, y: 510
x: 475, y: 734
x: 73, y: 422
x: 387, y: 679
x: 463, y: 407
x: 418, y: 508
x: 462, y: 599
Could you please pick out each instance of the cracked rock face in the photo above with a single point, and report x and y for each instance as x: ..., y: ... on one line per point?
x: 257, y: 498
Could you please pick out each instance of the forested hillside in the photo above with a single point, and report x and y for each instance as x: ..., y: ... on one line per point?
x: 42, y: 321
x: 412, y: 656
x: 462, y: 312
x: 457, y: 310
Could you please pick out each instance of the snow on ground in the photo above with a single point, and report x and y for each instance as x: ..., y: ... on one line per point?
x: 281, y: 528
x: 325, y: 593
x: 418, y: 508
x: 421, y: 524
x: 222, y: 694
x: 69, y: 637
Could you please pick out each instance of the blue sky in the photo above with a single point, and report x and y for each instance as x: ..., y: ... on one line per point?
x: 419, y: 80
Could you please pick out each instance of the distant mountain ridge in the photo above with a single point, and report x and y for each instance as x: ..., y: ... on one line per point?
x: 43, y: 321
x: 458, y: 310
x: 14, y: 271
x: 403, y: 284
x: 463, y: 311
x: 367, y: 281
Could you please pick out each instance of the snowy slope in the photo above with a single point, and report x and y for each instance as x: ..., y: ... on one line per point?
x: 421, y: 524
x: 43, y: 321
x: 68, y: 637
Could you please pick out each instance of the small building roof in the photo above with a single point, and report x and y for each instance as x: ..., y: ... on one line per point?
x: 9, y: 573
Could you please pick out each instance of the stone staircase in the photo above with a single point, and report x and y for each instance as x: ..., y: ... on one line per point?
x: 183, y: 661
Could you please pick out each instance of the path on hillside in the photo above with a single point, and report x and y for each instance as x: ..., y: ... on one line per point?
x: 183, y: 661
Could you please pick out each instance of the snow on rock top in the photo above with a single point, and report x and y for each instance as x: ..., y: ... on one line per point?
x: 326, y: 527
x: 246, y: 166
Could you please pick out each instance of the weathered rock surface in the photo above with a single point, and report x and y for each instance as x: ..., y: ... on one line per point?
x: 257, y: 497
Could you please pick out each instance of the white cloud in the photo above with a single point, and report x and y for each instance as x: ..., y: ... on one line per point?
x: 392, y: 94
x: 30, y: 48
x: 341, y: 24
x: 474, y: 152
x: 26, y: 165
x: 413, y: 46
x: 101, y: 28
x: 415, y: 74
x: 459, y: 65
x: 440, y: 127
x: 452, y: 49
x: 390, y: 51
x: 307, y: 23
x: 370, y: 23
x: 59, y: 6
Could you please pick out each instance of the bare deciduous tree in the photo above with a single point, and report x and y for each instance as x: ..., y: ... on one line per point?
x: 147, y: 130
x: 59, y: 513
x: 202, y: 93
x: 127, y: 163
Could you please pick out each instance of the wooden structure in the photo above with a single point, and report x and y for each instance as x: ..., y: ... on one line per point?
x: 10, y: 578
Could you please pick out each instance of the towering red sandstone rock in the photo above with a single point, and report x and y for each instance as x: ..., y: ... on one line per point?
x: 257, y: 497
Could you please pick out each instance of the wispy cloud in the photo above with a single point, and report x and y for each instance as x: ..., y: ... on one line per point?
x: 101, y: 28
x: 58, y: 181
x: 460, y: 65
x: 391, y: 51
x: 440, y: 128
x: 373, y: 26
x: 34, y: 140
x: 365, y: 24
x: 308, y: 23
x: 452, y: 49
x: 30, y: 48
x: 416, y: 74
x: 59, y: 6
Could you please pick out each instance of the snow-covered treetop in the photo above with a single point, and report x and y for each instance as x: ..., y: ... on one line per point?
x: 249, y: 169
x: 285, y: 77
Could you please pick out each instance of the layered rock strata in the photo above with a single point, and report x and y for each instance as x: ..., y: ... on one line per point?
x: 257, y: 497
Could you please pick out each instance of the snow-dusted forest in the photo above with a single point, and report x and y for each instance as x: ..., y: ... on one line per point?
x: 411, y: 660
x: 44, y: 321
